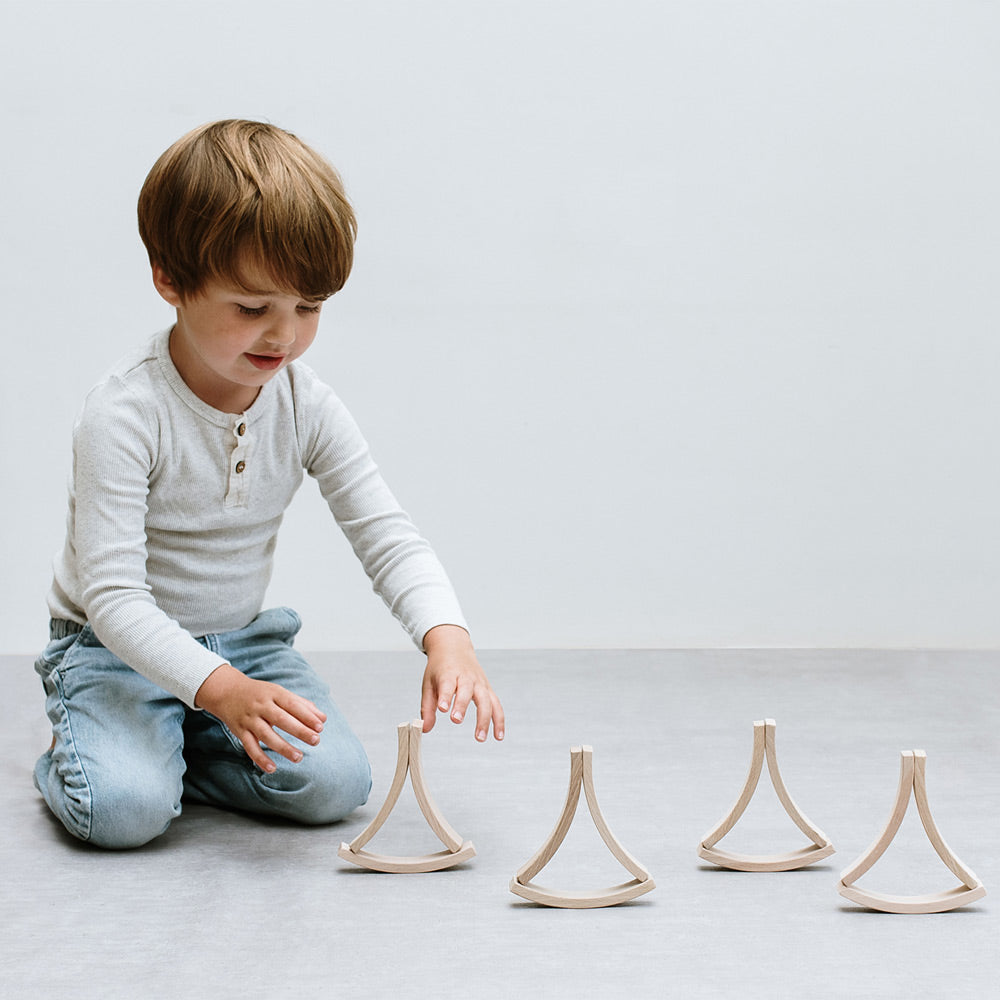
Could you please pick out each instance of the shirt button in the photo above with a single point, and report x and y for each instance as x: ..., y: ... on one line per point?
x: 240, y: 466
x: 241, y: 430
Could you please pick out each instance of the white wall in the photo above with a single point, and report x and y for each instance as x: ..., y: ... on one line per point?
x: 673, y: 323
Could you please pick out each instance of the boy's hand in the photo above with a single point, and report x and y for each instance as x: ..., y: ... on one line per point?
x: 453, y: 678
x: 254, y: 710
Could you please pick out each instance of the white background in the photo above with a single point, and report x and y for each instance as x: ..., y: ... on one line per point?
x: 672, y: 323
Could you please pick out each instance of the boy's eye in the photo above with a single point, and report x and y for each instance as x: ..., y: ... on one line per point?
x: 311, y: 309
x: 249, y: 311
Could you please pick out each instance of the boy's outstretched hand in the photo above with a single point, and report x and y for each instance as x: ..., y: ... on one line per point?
x: 453, y: 678
x: 255, y: 710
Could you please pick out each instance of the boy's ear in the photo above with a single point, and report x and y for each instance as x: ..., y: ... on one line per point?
x: 165, y: 286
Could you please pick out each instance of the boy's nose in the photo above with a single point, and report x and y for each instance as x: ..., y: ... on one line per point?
x: 280, y: 335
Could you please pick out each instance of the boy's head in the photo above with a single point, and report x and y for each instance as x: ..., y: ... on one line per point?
x: 234, y: 195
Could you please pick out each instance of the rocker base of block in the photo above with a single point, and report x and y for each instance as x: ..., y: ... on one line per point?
x: 401, y: 865
x: 582, y: 900
x: 938, y: 902
x: 766, y: 862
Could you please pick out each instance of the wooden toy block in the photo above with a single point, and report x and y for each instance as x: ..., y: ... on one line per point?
x: 764, y: 748
x: 408, y: 761
x: 580, y: 774
x: 912, y: 777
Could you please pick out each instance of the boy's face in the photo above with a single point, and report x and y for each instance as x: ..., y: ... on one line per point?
x: 227, y: 343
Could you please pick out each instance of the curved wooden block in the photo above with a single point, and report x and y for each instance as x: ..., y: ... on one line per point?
x: 912, y: 778
x: 765, y: 748
x: 408, y: 762
x: 629, y: 863
x: 580, y: 775
x: 403, y: 865
x: 767, y: 862
x: 967, y: 877
x: 749, y: 787
x: 937, y: 902
x: 817, y: 836
x: 441, y: 827
x: 884, y: 839
x: 392, y: 797
x: 581, y: 900
x: 554, y: 840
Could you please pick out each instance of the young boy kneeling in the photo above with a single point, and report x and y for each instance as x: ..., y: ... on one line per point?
x: 163, y: 676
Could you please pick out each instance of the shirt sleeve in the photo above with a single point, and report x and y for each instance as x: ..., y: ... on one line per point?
x: 115, y: 447
x: 398, y: 560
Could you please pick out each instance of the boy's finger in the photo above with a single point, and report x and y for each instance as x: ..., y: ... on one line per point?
x: 289, y: 724
x: 483, y: 697
x: 446, y: 694
x: 254, y: 752
x: 428, y: 711
x: 274, y: 742
x: 301, y: 709
x: 498, y: 717
x: 462, y: 698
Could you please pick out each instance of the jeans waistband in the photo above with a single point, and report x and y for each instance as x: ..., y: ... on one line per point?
x: 59, y: 628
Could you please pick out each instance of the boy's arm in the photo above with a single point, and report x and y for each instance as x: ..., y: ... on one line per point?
x: 115, y: 448
x: 453, y: 678
x: 403, y: 568
x: 398, y: 560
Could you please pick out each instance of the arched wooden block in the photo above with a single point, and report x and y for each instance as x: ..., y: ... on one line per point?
x: 408, y: 761
x: 912, y: 778
x: 569, y: 899
x: 407, y: 865
x: 580, y: 774
x: 764, y: 748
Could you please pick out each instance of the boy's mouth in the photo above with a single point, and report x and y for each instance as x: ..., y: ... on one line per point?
x: 265, y: 362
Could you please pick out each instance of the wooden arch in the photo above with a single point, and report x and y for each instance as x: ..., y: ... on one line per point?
x: 408, y: 761
x: 580, y: 774
x: 820, y: 846
x: 912, y: 777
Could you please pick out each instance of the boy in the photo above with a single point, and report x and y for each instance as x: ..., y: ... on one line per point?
x: 162, y: 675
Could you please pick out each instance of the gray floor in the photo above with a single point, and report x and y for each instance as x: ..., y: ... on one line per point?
x: 226, y: 905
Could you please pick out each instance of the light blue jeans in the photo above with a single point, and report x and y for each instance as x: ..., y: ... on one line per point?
x: 126, y: 751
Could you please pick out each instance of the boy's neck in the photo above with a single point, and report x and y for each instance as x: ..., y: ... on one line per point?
x: 227, y: 397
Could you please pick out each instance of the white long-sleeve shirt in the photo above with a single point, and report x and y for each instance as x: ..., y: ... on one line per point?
x: 174, y: 510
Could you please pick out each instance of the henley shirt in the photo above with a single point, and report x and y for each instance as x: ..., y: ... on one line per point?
x: 174, y: 510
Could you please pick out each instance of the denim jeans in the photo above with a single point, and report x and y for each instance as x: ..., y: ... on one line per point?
x: 126, y: 751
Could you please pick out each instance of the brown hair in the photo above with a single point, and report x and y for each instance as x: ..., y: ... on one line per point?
x: 235, y: 194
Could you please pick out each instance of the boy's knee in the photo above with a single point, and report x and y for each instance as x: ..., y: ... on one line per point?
x: 130, y: 817
x: 109, y: 814
x: 118, y: 817
x: 348, y: 787
x: 325, y: 786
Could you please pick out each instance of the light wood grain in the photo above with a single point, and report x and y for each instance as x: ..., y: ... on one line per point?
x: 398, y: 780
x: 749, y: 786
x: 884, y: 839
x: 408, y: 761
x: 624, y: 858
x: 570, y: 900
x: 441, y: 827
x: 554, y: 840
x: 580, y: 775
x: 408, y: 865
x: 765, y: 749
x: 912, y: 779
x: 968, y: 878
x: 817, y: 836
